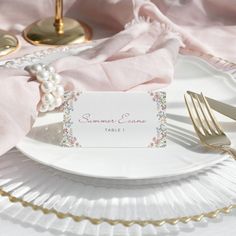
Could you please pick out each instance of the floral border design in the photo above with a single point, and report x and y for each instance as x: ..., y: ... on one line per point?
x: 68, y: 139
x: 161, y: 132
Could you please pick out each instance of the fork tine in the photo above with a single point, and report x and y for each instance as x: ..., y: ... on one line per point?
x: 195, y: 125
x: 205, y: 131
x: 204, y: 113
x: 213, y: 119
x: 216, y: 140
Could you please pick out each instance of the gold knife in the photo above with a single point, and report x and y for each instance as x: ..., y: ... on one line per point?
x: 223, y: 108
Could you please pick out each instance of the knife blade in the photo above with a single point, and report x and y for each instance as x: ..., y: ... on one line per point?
x: 223, y: 108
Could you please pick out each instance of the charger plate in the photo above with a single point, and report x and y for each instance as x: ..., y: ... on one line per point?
x: 183, y: 154
x: 46, y: 199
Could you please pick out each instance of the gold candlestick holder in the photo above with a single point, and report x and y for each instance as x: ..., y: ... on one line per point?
x: 8, y: 43
x: 57, y: 30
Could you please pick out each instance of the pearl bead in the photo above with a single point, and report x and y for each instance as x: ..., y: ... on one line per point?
x: 51, y: 107
x: 47, y: 87
x: 58, y: 91
x: 49, y: 69
x: 56, y: 78
x: 43, y: 107
x: 58, y: 101
x: 50, y: 86
x: 48, y: 98
x: 36, y: 68
x: 42, y: 75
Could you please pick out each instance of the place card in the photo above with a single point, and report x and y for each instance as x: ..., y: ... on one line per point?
x: 114, y: 119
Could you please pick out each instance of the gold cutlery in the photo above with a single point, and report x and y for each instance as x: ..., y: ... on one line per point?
x: 223, y: 108
x: 206, y: 125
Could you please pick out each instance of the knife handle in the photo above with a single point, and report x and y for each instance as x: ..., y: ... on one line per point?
x: 231, y: 151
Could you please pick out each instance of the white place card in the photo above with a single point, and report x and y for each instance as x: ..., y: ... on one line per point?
x: 114, y: 119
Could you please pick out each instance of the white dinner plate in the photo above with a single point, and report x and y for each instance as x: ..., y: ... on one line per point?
x: 183, y: 154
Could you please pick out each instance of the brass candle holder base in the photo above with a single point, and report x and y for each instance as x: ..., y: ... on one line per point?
x: 8, y: 43
x: 46, y: 32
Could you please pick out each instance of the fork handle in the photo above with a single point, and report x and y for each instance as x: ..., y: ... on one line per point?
x: 231, y: 151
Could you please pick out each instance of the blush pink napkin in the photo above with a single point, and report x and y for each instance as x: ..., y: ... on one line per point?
x: 139, y: 56
x: 18, y: 103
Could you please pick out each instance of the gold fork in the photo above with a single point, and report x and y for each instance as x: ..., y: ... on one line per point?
x: 206, y: 125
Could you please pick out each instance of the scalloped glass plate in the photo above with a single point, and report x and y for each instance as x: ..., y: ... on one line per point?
x: 182, y: 156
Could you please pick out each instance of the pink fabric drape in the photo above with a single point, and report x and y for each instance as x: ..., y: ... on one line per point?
x: 211, y: 22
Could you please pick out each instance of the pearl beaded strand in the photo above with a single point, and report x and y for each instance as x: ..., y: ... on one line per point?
x: 52, y: 90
